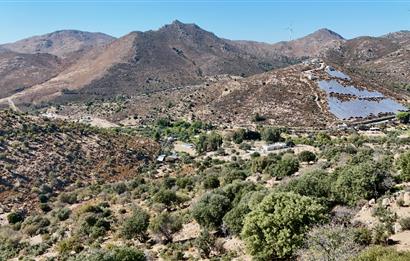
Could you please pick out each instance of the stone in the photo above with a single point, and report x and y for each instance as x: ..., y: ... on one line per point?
x: 397, y: 228
x: 386, y: 202
x: 406, y: 198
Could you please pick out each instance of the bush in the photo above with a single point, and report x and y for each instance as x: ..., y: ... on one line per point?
x: 15, y: 217
x: 42, y: 198
x: 68, y: 198
x: 271, y: 134
x: 166, y: 197
x: 63, y: 214
x: 209, y: 142
x: 403, y: 117
x: 117, y: 253
x: 95, y: 220
x: 210, y: 209
x: 316, y: 184
x: 35, y: 225
x: 258, y: 118
x: 65, y: 246
x: 379, y: 253
x: 359, y: 181
x: 403, y: 164
x: 330, y: 243
x: 45, y: 207
x: 307, y: 156
x: 136, y: 226
x: 205, y: 243
x: 120, y: 188
x: 165, y: 225
x: 235, y: 217
x: 287, y: 166
x: 405, y: 223
x: 245, y: 146
x: 211, y: 182
x: 276, y: 227
x: 238, y: 136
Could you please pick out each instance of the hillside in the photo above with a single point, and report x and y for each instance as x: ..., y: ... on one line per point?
x: 312, y: 45
x: 290, y: 96
x: 194, y: 68
x: 175, y: 55
x: 19, y: 71
x: 60, y: 43
x: 37, y: 152
x: 384, y: 59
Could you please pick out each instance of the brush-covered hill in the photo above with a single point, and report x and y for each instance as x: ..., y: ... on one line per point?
x: 19, y: 71
x: 288, y: 96
x: 36, y: 153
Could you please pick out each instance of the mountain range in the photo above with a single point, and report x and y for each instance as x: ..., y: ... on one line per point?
x: 74, y: 66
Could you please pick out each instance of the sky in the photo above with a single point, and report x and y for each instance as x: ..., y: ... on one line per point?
x: 258, y: 20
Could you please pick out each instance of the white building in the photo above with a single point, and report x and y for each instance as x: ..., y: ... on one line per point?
x: 274, y: 146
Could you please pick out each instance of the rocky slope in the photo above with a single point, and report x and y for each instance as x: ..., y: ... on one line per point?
x: 289, y: 97
x: 36, y: 152
x: 60, y: 43
x: 312, y: 45
x: 384, y: 59
x: 19, y: 71
x: 175, y: 55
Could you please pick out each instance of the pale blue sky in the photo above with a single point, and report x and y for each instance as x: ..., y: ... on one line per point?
x: 260, y: 20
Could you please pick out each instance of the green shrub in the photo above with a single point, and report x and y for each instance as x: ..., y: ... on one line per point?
x: 136, y: 226
x: 271, y: 134
x: 69, y: 198
x: 205, y: 243
x: 211, y: 182
x: 166, y: 196
x: 42, y: 198
x: 316, y: 184
x: 403, y: 164
x: 364, y: 180
x: 379, y: 253
x: 63, y: 214
x: 307, y: 156
x: 245, y: 146
x: 165, y: 225
x: 210, y: 209
x: 235, y: 217
x: 45, y: 207
x: 120, y: 188
x: 276, y: 227
x: 35, y: 225
x: 403, y: 117
x: 209, y: 142
x: 65, y: 246
x: 405, y: 223
x: 15, y: 217
x: 287, y: 166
